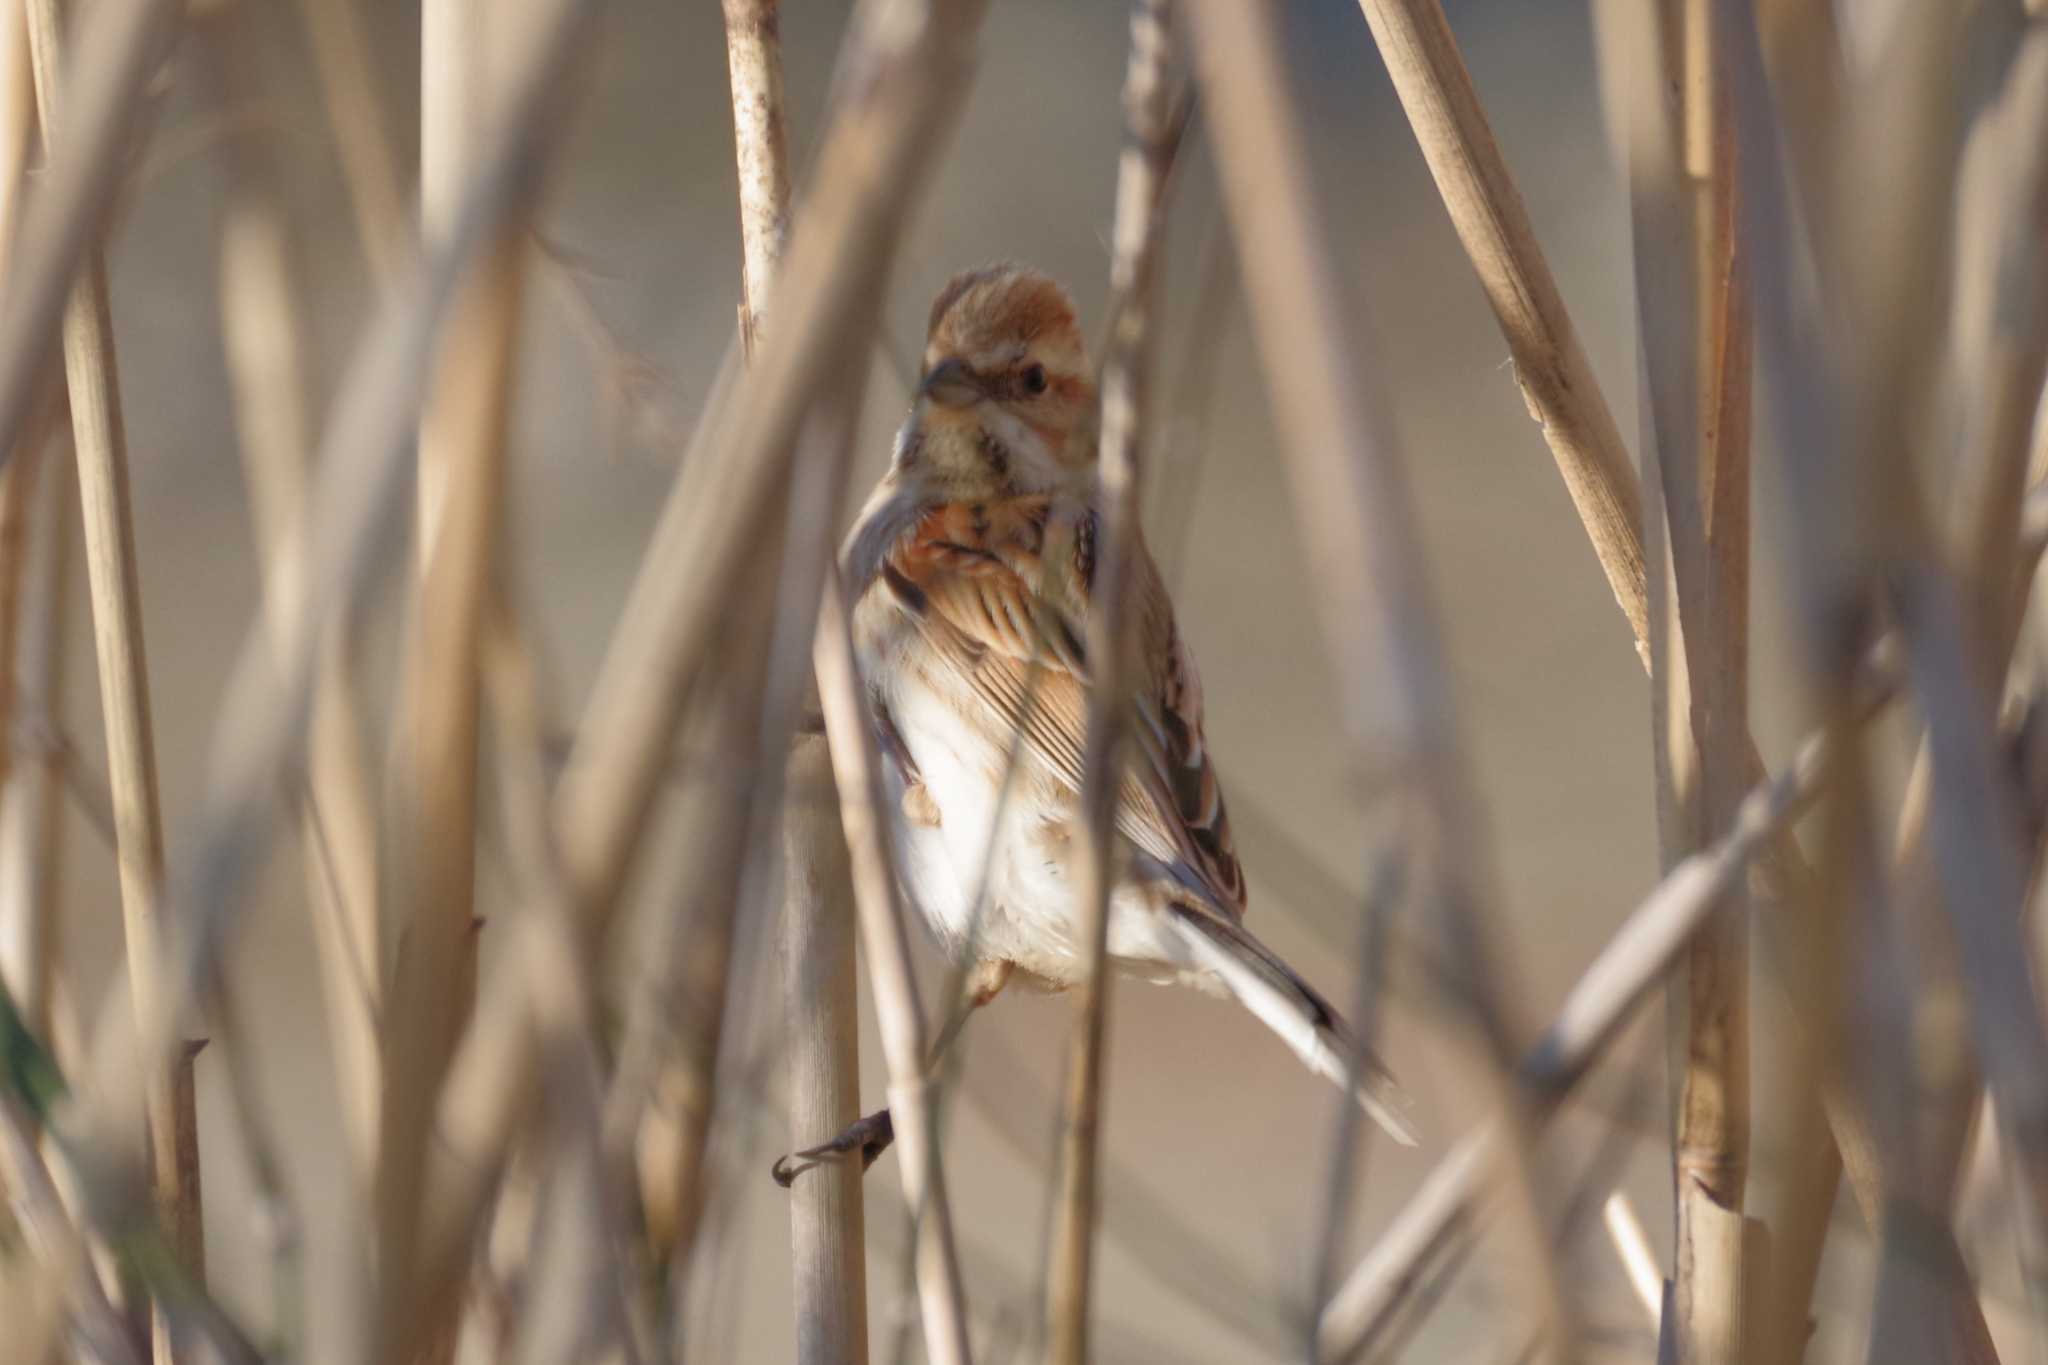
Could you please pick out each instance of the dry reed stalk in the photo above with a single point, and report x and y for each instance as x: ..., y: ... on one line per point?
x: 1638, y: 1261
x: 828, y: 1256
x: 1350, y: 500
x: 270, y: 688
x: 908, y: 74
x: 829, y: 1267
x: 587, y: 1286
x: 459, y: 510
x: 113, y: 578
x: 671, y: 1097
x: 753, y: 45
x: 1695, y: 355
x: 2008, y: 378
x: 341, y: 61
x: 1126, y: 382
x: 1458, y: 145
x: 17, y: 490
x: 25, y: 918
x: 1486, y: 209
x: 114, y: 51
x: 1884, y: 276
x: 898, y: 1013
x: 261, y: 325
x: 1636, y: 957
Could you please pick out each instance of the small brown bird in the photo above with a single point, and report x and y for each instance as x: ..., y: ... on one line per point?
x: 972, y: 568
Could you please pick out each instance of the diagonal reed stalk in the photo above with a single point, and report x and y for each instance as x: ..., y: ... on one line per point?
x: 1126, y: 381
x: 100, y: 440
x: 1653, y: 938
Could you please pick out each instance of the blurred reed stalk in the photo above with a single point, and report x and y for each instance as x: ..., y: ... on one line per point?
x: 458, y: 514
x: 1136, y: 245
x: 28, y: 534
x: 680, y: 1012
x: 1444, y: 1210
x: 262, y: 326
x: 31, y: 805
x: 828, y: 1255
x: 100, y: 440
x: 1350, y: 499
x: 116, y: 47
x: 2006, y: 368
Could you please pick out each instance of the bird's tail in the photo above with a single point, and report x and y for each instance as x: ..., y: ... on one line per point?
x: 1292, y: 1008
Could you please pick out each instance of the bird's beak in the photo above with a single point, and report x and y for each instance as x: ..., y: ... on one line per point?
x: 951, y: 385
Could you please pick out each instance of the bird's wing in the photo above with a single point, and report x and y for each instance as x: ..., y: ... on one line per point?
x: 1001, y: 591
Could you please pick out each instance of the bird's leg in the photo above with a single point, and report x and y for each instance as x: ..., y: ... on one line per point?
x: 871, y: 1134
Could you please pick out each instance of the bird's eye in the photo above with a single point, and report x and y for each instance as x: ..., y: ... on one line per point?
x: 1034, y: 379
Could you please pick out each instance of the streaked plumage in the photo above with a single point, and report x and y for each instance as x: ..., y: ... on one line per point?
x: 973, y: 569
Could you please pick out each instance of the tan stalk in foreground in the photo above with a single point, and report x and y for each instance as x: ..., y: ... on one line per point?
x: 101, y: 442
x: 431, y: 864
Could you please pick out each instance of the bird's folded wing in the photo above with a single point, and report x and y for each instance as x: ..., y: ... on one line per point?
x: 1001, y: 591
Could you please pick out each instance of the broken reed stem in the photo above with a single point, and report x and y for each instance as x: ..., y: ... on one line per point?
x: 1126, y: 381
x: 112, y: 576
x: 1350, y: 499
x: 262, y: 329
x: 1635, y: 959
x: 911, y: 72
x: 459, y: 513
x: 898, y: 1013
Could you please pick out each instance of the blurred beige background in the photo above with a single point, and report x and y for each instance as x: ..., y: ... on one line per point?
x: 1218, y: 1140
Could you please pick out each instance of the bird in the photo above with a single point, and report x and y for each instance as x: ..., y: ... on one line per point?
x: 971, y: 570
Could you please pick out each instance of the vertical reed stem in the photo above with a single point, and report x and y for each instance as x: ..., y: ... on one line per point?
x: 1126, y: 379
x: 459, y: 511
x: 115, y: 585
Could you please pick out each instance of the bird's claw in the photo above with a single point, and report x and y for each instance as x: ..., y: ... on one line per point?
x: 870, y: 1136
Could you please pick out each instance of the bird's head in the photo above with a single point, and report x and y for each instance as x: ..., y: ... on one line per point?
x: 1007, y: 404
